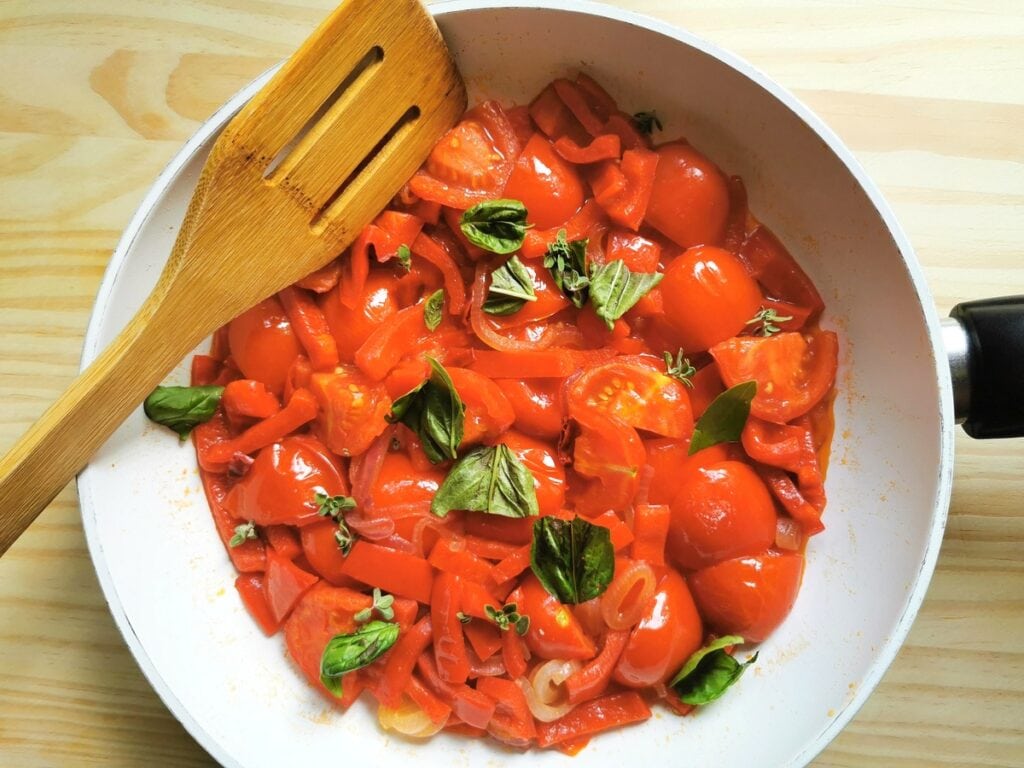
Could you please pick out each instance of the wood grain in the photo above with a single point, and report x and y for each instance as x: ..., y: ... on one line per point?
x: 96, y: 97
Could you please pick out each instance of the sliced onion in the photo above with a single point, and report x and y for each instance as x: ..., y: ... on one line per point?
x: 493, y: 667
x: 788, y: 534
x: 644, y: 479
x: 544, y: 690
x: 407, y: 719
x: 624, y: 602
x: 363, y: 471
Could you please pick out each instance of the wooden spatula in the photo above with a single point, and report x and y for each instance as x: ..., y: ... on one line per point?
x: 292, y: 180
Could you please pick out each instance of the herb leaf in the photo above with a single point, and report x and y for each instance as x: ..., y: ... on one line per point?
x: 498, y: 226
x: 333, y: 507
x: 346, y: 653
x: 508, y: 618
x: 488, y: 479
x: 511, y: 287
x: 567, y: 261
x: 680, y: 368
x: 724, y: 419
x: 433, y: 310
x: 435, y: 412
x: 381, y: 604
x: 182, y: 408
x: 709, y: 672
x: 243, y: 533
x: 646, y: 122
x: 614, y: 289
x: 766, y: 318
x: 405, y: 256
x: 574, y: 560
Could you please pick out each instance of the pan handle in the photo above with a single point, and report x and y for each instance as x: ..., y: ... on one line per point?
x: 984, y: 341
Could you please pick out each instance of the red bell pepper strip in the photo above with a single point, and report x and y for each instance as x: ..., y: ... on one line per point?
x: 554, y: 119
x: 484, y: 637
x: 205, y: 370
x: 550, y: 363
x: 400, y: 660
x: 284, y: 584
x: 475, y: 598
x: 468, y: 704
x: 250, y: 589
x: 601, y: 102
x: 576, y: 100
x: 284, y: 540
x: 512, y: 722
x: 490, y: 549
x: 607, y: 146
x: 356, y: 268
x: 434, y: 708
x: 404, y: 228
x: 390, y: 342
x: 622, y: 125
x: 584, y: 223
x: 249, y: 556
x: 621, y: 535
x: 310, y: 326
x: 650, y: 529
x: 302, y: 408
x: 736, y: 223
x: 517, y: 562
x: 785, y: 490
x: 629, y: 206
x: 594, y: 716
x: 592, y: 679
x: 323, y: 280
x: 768, y: 261
x: 220, y: 348
x: 399, y: 573
x: 449, y: 642
x: 513, y: 653
x: 248, y: 399
x: 451, y: 556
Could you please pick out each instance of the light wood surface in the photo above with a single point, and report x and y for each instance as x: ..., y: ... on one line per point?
x: 97, y: 95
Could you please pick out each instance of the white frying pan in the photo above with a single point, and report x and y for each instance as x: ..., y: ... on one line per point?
x: 168, y: 580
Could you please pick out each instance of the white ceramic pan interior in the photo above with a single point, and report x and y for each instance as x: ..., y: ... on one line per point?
x: 169, y: 582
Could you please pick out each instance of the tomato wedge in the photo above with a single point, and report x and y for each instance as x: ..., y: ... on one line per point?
x: 352, y: 409
x: 610, y: 452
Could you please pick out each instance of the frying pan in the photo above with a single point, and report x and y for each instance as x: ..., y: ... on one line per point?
x: 168, y: 580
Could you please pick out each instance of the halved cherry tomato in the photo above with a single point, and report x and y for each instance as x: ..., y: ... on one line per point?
x: 793, y: 371
x: 666, y: 636
x: 634, y: 391
x: 404, y: 490
x: 263, y: 344
x: 548, y: 475
x: 610, y: 452
x: 554, y: 632
x: 537, y: 405
x: 352, y: 409
x: 284, y: 582
x: 690, y: 200
x: 709, y: 297
x: 748, y: 596
x: 488, y: 411
x: 282, y: 483
x: 351, y: 327
x: 546, y: 184
x: 320, y: 546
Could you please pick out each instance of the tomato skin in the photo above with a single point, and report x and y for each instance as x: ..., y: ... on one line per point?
x: 321, y: 549
x: 690, y: 200
x: 793, y: 371
x: 263, y: 344
x: 404, y: 490
x: 488, y: 411
x: 709, y: 297
x: 375, y: 304
x: 554, y: 632
x: 281, y: 485
x: 537, y: 405
x: 548, y: 473
x: 665, y: 638
x: 671, y: 460
x: 352, y: 409
x: 612, y: 453
x: 546, y: 184
x: 748, y: 596
x: 721, y: 511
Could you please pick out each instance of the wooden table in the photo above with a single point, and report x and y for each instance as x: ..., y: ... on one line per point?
x: 97, y: 95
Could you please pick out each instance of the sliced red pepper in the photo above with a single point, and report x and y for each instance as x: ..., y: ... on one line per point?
x: 254, y: 598
x: 607, y: 146
x: 592, y: 679
x: 512, y: 722
x: 400, y: 661
x: 629, y: 206
x: 284, y: 540
x: 433, y: 707
x: 249, y: 556
x: 650, y: 527
x: 576, y: 99
x: 768, y: 261
x: 248, y: 399
x: 514, y: 530
x: 404, y: 228
x: 455, y: 289
x: 489, y: 549
x: 554, y: 118
x: 621, y: 535
x: 310, y: 326
x: 588, y: 221
x: 794, y: 502
x: 475, y: 598
x: 622, y: 125
x: 399, y: 573
x: 205, y: 370
x: 513, y: 653
x: 451, y: 556
x: 468, y: 704
x: 449, y: 641
x: 601, y: 102
x: 301, y: 409
x: 516, y: 562
x: 388, y: 343
x: 323, y: 280
x: 553, y: 362
x: 594, y: 716
x: 484, y: 637
x: 284, y: 584
x: 736, y: 223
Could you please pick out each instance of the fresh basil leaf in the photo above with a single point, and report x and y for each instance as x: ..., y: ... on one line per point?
x: 724, y: 419
x: 182, y: 408
x: 614, y: 289
x: 646, y: 122
x: 488, y: 479
x: 511, y: 287
x: 435, y: 412
x: 567, y: 261
x: 405, y: 256
x: 709, y: 672
x: 346, y: 653
x: 434, y: 309
x: 573, y: 559
x: 498, y: 226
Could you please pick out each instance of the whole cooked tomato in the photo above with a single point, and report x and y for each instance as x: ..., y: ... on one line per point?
x: 721, y: 510
x: 748, y: 596
x: 537, y: 404
x: 351, y: 327
x: 554, y: 632
x: 708, y: 297
x: 670, y: 460
x: 282, y: 483
x: 263, y: 344
x: 352, y: 409
x: 667, y: 635
x: 546, y: 184
x: 548, y: 475
x: 690, y: 200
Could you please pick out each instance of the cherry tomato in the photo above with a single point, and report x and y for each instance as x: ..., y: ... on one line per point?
x: 263, y: 344
x: 550, y: 300
x: 547, y: 471
x: 554, y: 632
x: 690, y: 201
x: 670, y: 460
x: 322, y: 613
x: 611, y: 453
x: 320, y: 546
x: 665, y: 638
x: 404, y: 490
x: 488, y: 411
x: 546, y: 184
x: 636, y: 392
x: 351, y: 327
x: 707, y: 385
x: 282, y: 483
x: 748, y: 596
x: 793, y: 371
x: 537, y: 405
x: 352, y: 409
x: 721, y: 511
x: 709, y: 297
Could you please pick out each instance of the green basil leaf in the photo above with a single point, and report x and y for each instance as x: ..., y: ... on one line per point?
x: 574, y: 560
x: 511, y: 287
x: 614, y: 289
x: 435, y: 412
x: 724, y: 419
x: 488, y: 479
x: 434, y: 309
x: 182, y: 408
x: 567, y: 261
x: 346, y: 653
x: 498, y: 226
x: 709, y: 672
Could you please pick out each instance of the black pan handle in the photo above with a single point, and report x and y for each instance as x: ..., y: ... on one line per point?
x: 985, y: 343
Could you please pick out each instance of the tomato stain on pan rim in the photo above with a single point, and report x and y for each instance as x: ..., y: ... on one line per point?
x: 883, y: 655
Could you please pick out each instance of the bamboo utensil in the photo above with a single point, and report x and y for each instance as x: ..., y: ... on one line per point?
x: 291, y: 181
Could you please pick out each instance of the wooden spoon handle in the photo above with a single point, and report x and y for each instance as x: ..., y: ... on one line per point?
x: 61, y: 442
